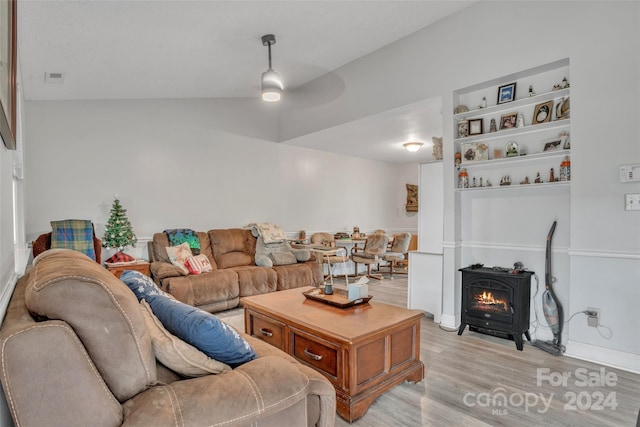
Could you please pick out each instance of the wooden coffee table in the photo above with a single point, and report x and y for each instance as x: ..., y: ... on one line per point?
x: 363, y: 350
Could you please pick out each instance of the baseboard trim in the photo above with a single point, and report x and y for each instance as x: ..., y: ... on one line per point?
x: 448, y: 321
x: 6, y: 293
x: 603, y: 356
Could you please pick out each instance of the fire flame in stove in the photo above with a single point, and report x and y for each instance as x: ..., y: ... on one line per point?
x: 487, y: 299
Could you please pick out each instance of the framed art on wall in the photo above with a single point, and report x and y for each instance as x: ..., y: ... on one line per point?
x: 8, y: 72
x: 507, y: 93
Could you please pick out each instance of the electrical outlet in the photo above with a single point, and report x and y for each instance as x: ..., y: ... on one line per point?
x: 592, y: 320
x: 632, y: 202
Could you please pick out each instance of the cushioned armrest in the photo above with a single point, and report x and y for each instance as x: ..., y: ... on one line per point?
x: 49, y: 379
x: 240, y: 397
x: 162, y: 270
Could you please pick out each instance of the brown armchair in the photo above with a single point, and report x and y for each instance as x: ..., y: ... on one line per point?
x: 374, y: 248
x: 43, y: 243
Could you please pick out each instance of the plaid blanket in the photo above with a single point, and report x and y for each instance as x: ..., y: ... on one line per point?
x: 76, y: 234
x: 178, y: 236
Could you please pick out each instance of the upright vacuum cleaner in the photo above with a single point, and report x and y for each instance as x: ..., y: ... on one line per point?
x: 551, y: 306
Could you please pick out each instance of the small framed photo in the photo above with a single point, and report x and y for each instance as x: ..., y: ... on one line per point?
x: 552, y: 144
x: 508, y: 121
x: 474, y: 152
x: 542, y: 112
x: 475, y: 127
x: 507, y: 93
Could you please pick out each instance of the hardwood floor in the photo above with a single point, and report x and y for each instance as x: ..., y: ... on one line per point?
x: 479, y: 380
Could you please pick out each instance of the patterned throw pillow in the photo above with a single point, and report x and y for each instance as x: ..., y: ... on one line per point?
x: 76, y: 234
x: 179, y: 254
x: 198, y: 264
x: 202, y: 330
x: 176, y: 354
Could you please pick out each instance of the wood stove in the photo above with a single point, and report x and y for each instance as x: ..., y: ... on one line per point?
x: 495, y: 301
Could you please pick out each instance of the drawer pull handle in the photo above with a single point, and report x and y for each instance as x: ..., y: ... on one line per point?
x: 316, y: 357
x: 266, y: 332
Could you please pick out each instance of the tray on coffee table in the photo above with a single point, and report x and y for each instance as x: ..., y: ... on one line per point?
x: 339, y: 298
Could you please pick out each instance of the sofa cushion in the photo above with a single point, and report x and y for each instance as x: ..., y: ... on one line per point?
x: 197, y: 327
x: 69, y: 286
x: 179, y: 254
x: 176, y: 354
x: 232, y: 247
x: 203, y: 289
x: 76, y: 234
x: 254, y: 280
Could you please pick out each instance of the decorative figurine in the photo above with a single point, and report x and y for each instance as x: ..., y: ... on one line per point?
x: 474, y: 183
x: 458, y: 158
x: 565, y: 169
x: 538, y: 179
x: 483, y: 104
x: 526, y: 181
x: 564, y: 84
x: 520, y: 123
x: 492, y: 126
x: 506, y: 180
x: 563, y: 108
x: 489, y: 184
x: 463, y: 179
x: 481, y: 183
x: 564, y: 138
x: 531, y: 92
x: 463, y: 128
x: 552, y: 177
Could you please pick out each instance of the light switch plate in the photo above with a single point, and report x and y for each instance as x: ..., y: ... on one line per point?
x: 632, y: 202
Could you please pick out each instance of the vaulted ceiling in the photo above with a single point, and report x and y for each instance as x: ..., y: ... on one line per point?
x: 202, y: 49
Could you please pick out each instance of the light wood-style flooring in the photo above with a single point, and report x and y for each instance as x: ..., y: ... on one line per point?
x: 479, y: 380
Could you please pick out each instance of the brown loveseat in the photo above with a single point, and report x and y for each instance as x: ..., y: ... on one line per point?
x: 235, y: 274
x: 85, y: 358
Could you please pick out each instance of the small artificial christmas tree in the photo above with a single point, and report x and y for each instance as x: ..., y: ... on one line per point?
x: 118, y: 232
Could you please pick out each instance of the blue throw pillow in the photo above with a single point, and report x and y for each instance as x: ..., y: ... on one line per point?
x: 197, y: 327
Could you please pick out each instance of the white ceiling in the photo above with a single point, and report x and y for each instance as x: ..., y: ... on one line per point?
x: 209, y: 49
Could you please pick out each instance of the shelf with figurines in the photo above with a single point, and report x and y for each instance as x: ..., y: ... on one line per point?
x: 479, y: 178
x: 472, y: 154
x: 518, y: 103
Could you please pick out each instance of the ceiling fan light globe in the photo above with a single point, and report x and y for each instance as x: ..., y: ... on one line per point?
x: 271, y: 95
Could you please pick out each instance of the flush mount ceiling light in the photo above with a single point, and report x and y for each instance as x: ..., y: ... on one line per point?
x: 412, y: 146
x: 271, y: 82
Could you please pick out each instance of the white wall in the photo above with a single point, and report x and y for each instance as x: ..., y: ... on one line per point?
x: 493, y: 39
x: 173, y: 166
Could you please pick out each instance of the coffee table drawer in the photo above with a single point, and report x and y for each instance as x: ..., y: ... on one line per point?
x: 268, y: 330
x: 311, y: 351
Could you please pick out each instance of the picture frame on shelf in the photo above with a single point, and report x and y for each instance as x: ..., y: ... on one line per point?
x: 463, y: 128
x: 507, y: 93
x: 508, y: 121
x: 475, y: 127
x: 552, y: 144
x: 542, y: 113
x: 474, y: 152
